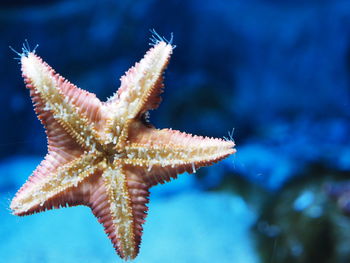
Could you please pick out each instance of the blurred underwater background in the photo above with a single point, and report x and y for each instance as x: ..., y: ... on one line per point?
x: 274, y: 75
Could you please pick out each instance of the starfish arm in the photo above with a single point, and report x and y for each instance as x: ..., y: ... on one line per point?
x: 86, y: 103
x: 166, y: 153
x: 120, y: 206
x: 75, y: 110
x: 140, y: 89
x: 139, y: 193
x: 46, y: 186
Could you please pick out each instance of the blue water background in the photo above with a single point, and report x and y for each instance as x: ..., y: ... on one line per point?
x: 275, y: 74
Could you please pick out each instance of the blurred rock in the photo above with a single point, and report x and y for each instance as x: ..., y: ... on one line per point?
x: 340, y: 191
x: 301, y: 224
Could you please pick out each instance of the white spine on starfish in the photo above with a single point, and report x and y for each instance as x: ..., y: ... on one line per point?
x: 140, y: 80
x: 173, y: 155
x: 64, y: 112
x: 69, y: 175
x: 120, y: 209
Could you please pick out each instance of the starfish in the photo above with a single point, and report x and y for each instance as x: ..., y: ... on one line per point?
x: 106, y: 155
